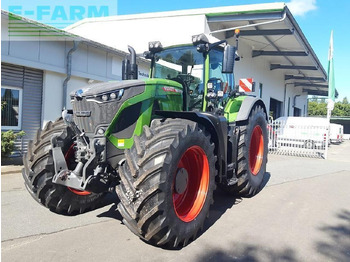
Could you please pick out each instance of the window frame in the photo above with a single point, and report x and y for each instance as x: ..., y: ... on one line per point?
x: 20, y: 104
x: 260, y: 89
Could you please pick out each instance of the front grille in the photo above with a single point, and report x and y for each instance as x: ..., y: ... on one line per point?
x: 89, y: 108
x: 90, y: 114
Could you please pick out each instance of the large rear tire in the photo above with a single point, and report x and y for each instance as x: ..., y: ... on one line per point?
x: 39, y: 170
x: 167, y: 182
x: 251, y: 155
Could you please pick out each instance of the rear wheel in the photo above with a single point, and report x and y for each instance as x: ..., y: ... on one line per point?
x: 39, y: 170
x: 167, y: 182
x: 252, y: 155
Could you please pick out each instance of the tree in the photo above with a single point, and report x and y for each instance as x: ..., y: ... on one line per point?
x: 8, y: 142
x: 319, y: 108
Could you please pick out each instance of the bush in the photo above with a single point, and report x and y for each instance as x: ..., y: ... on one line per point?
x: 8, y: 142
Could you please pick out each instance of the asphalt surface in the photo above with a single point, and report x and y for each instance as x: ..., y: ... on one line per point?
x: 303, y: 214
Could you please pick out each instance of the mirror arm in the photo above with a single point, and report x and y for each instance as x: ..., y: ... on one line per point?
x: 211, y: 46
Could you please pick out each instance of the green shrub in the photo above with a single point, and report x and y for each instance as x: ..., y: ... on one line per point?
x: 8, y: 142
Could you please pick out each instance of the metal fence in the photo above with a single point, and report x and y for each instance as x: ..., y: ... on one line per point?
x: 307, y: 140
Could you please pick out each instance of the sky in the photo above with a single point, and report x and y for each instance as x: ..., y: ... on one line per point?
x: 315, y: 17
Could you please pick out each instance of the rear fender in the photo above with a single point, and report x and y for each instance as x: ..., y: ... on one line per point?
x: 247, y: 105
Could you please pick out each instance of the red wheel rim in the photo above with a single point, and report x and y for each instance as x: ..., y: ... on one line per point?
x: 189, y: 203
x: 68, y: 156
x: 79, y: 192
x: 256, y: 150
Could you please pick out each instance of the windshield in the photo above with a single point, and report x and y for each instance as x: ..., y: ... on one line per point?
x: 183, y: 64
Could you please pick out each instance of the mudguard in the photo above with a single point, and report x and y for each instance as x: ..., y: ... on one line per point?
x: 246, y: 108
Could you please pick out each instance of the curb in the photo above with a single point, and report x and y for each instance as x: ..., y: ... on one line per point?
x: 8, y: 170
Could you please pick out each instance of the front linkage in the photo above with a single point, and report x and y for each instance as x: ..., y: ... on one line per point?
x: 91, y: 171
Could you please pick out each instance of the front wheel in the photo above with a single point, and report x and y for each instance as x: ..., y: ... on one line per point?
x: 167, y: 182
x: 251, y: 155
x: 39, y: 170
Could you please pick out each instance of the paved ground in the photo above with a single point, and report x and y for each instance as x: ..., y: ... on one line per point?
x: 303, y: 214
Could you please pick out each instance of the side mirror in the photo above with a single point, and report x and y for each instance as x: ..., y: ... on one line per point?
x: 228, y: 59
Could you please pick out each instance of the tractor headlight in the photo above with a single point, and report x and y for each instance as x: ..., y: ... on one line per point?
x: 155, y: 47
x: 199, y: 39
x: 114, y: 95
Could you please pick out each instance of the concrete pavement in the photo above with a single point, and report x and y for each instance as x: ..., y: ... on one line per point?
x: 302, y: 215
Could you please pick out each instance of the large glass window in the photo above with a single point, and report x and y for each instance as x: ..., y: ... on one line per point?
x: 183, y: 64
x: 221, y: 82
x: 11, y: 107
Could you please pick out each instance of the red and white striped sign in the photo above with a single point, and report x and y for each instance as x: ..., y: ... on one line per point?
x: 246, y: 85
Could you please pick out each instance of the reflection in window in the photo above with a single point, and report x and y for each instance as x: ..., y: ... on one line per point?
x: 223, y: 82
x: 11, y: 107
x: 184, y: 65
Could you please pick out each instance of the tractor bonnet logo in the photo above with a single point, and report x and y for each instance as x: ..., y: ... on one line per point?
x: 171, y: 89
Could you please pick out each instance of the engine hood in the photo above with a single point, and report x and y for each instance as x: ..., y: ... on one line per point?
x: 100, y: 88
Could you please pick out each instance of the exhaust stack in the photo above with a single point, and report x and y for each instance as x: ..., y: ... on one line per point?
x: 130, y: 68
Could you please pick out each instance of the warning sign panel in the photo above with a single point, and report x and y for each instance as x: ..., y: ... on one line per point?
x: 246, y: 85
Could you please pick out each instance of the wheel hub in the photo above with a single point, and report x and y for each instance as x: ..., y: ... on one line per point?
x: 181, y: 180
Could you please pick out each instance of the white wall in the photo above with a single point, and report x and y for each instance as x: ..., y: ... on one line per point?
x: 53, y: 94
x: 300, y: 100
x: 259, y: 69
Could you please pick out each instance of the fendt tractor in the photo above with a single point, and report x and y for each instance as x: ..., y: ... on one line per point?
x: 164, y: 143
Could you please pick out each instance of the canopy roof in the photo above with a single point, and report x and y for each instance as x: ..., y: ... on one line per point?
x: 275, y: 36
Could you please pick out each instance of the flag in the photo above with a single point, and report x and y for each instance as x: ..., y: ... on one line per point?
x: 331, y: 83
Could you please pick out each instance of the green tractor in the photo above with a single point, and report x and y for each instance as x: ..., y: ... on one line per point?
x: 164, y: 143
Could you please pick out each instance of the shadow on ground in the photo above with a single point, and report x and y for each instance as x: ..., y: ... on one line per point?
x: 223, y: 202
x: 111, y: 198
x: 249, y: 253
x: 337, y: 246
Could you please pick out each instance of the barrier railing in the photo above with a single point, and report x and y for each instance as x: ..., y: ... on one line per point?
x: 297, y: 140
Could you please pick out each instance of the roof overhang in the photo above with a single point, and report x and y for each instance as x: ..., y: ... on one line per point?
x: 275, y: 36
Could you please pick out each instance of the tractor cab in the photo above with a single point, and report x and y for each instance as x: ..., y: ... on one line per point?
x: 201, y: 69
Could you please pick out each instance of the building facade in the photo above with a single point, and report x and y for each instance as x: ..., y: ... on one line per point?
x: 41, y: 65
x: 40, y: 69
x: 273, y: 49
